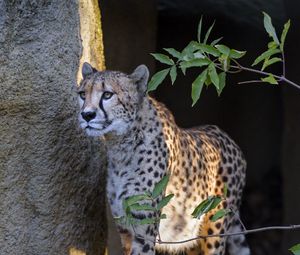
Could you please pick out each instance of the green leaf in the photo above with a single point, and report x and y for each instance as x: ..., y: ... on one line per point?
x: 213, y: 75
x: 189, y: 50
x: 164, y: 201
x: 223, y: 49
x: 236, y: 54
x: 222, y: 81
x: 295, y: 249
x: 141, y: 207
x: 173, y: 74
x: 214, y: 42
x: 160, y: 186
x: 134, y: 199
x: 157, y: 79
x: 208, y: 33
x: 162, y: 58
x: 225, y: 61
x: 174, y: 53
x: 147, y: 221
x: 269, y: 28
x: 207, y: 81
x: 272, y: 45
x: 195, y: 62
x: 208, y: 49
x: 197, y: 86
x: 284, y: 33
x: 206, y: 205
x: 269, y: 62
x: 270, y: 79
x: 198, y: 54
x: 216, y: 201
x: 266, y: 54
x: 220, y: 214
x: 199, y: 30
x: 148, y: 193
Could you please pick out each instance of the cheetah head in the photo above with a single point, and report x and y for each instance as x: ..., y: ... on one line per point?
x: 109, y: 100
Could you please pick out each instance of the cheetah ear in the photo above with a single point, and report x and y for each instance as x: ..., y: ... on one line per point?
x: 87, y: 69
x: 140, y: 76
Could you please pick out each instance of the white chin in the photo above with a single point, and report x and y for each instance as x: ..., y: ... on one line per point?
x: 93, y: 132
x: 118, y: 127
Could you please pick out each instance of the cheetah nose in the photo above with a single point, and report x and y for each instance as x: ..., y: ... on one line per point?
x: 88, y: 115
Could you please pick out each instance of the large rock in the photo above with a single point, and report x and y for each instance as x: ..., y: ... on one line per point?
x: 51, y: 175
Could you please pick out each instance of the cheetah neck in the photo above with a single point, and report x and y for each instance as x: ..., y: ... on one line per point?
x: 146, y: 119
x: 148, y: 125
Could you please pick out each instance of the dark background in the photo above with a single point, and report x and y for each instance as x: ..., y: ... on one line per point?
x: 263, y: 119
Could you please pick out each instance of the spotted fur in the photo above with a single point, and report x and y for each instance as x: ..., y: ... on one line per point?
x: 143, y: 145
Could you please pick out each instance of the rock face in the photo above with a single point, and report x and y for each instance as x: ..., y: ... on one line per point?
x: 51, y: 176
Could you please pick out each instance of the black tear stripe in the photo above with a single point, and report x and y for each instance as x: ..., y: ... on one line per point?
x: 101, y: 102
x: 102, y: 109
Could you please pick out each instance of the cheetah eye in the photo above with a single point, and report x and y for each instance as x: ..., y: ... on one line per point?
x: 82, y: 95
x: 107, y: 95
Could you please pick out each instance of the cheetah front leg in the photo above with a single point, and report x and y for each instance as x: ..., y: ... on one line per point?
x: 214, y: 245
x: 143, y: 241
x: 126, y: 240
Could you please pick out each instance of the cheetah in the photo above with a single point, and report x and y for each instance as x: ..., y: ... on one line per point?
x: 143, y: 145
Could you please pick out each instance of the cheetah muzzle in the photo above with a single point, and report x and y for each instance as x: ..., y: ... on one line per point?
x: 143, y: 145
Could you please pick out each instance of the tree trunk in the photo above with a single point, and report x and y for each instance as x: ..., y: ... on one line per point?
x: 51, y: 175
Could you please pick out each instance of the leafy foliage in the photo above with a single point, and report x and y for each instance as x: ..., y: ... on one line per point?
x: 220, y: 214
x: 157, y: 79
x: 284, y: 33
x: 214, y: 60
x: 211, y: 203
x: 197, y: 86
x: 206, y: 205
x: 144, y: 202
x: 274, y: 48
x: 269, y: 28
x: 270, y: 79
x: 200, y: 55
x: 160, y: 187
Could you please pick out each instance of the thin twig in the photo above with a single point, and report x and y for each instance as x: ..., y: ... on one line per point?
x: 283, y: 63
x: 279, y: 78
x: 257, y: 71
x: 220, y: 67
x: 235, y: 233
x: 241, y: 222
x: 290, y: 82
x: 236, y: 213
x: 247, y: 82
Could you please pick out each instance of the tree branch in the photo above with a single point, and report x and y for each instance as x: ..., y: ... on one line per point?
x: 279, y: 78
x: 291, y: 227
